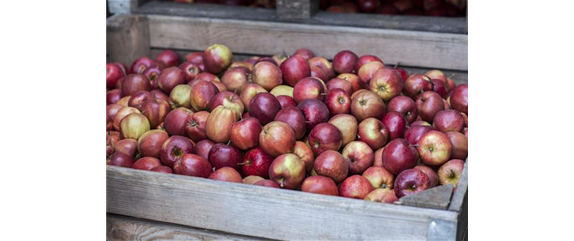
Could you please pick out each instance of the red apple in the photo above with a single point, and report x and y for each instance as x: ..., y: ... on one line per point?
x: 190, y: 70
x: 417, y: 84
x: 195, y: 125
x: 288, y: 171
x: 308, y: 88
x: 286, y: 101
x: 341, y: 84
x: 257, y: 163
x: 386, y: 83
x: 267, y: 75
x: 364, y: 60
x: 382, y: 196
x: 411, y: 181
x: 315, y: 112
x: 243, y: 64
x: 304, y: 53
x: 121, y: 114
x: 112, y: 96
x: 264, y: 107
x: 236, y: 79
x: 174, y: 148
x: 277, y: 138
x: 253, y: 179
x: 338, y: 102
x: 355, y: 186
x: 320, y: 185
x: 226, y: 174
x: 459, y: 145
x: 331, y: 164
x: 304, y: 152
x: 141, y: 64
x: 112, y: 110
x: 244, y: 134
x: 201, y: 94
x: 137, y: 99
x: 180, y: 96
x: 133, y: 126
x: 282, y: 90
x: 294, y: 118
x: 209, y: 77
x: 359, y: 156
x: 344, y: 62
x: 175, y: 121
x: 222, y: 155
x: 134, y: 83
x: 420, y: 122
x: 367, y: 72
x: 120, y: 159
x: 218, y: 124
x: 266, y: 183
x: 414, y: 133
x: 399, y: 155
x: 388, y: 9
x: 113, y: 75
x: 433, y: 178
x: 324, y: 65
x: 367, y: 104
x: 295, y: 68
x: 249, y: 92
x: 348, y: 126
x: 203, y: 147
x: 152, y: 74
x: 373, y: 132
x: 167, y: 58
x: 379, y: 177
x: 155, y: 110
x: 450, y: 172
x: 434, y: 148
x: 459, y: 98
x: 163, y: 169
x: 428, y: 104
x: 146, y: 163
x: 325, y: 137
x: 112, y: 137
x: 405, y: 106
x: 195, y: 58
x: 169, y: 78
x: 448, y: 120
x: 150, y: 143
x: 440, y: 88
x: 353, y: 79
x: 368, y: 6
x: 217, y: 58
x: 192, y: 165
x: 227, y: 99
x: 158, y: 94
x: 430, y: 4
x: 378, y: 157
x: 396, y: 123
x: 127, y: 146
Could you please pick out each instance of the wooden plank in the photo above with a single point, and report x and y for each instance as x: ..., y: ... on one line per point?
x: 261, y: 211
x: 297, y: 9
x: 127, y: 228
x: 127, y: 38
x: 436, y: 197
x: 207, y: 11
x: 461, y: 190
x: 421, y: 49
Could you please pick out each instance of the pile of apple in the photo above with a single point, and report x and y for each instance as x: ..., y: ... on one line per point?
x: 352, y: 127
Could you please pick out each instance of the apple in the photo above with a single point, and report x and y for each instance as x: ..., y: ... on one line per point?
x: 382, y: 196
x: 459, y: 98
x: 399, y: 155
x: 367, y: 104
x: 141, y: 64
x: 217, y: 58
x: 417, y: 84
x: 448, y: 120
x: 112, y: 96
x: 437, y: 74
x: 288, y: 171
x: 137, y: 99
x: 295, y: 68
x: 146, y: 163
x: 379, y: 177
x: 277, y: 138
x: 388, y: 9
x: 367, y: 72
x: 348, y: 126
x: 195, y: 125
x: 195, y: 58
x: 180, y: 96
x: 235, y: 79
x: 264, y: 107
x: 266, y: 59
x: 331, y: 164
x: 344, y: 62
x: 134, y: 83
x: 169, y: 78
x: 428, y: 104
x: 174, y: 148
x: 350, y: 6
x: 244, y: 134
x: 304, y: 53
x: 405, y: 106
x: 243, y: 64
x: 133, y: 126
x: 124, y: 101
x: 120, y: 159
x: 434, y: 148
x: 203, y: 147
x: 249, y: 93
x: 152, y: 74
x: 359, y: 156
x: 294, y: 118
x: 286, y: 101
x: 451, y: 84
x: 459, y: 145
x: 218, y: 124
x: 320, y: 185
x: 308, y: 88
x: 420, y: 122
x: 113, y: 75
x: 396, y: 123
x: 223, y: 155
x: 122, y: 67
x: 121, y: 114
x: 190, y: 70
x: 112, y: 137
x: 324, y: 65
x: 158, y: 94
x: 252, y: 179
x: 341, y: 84
x: 128, y: 147
x: 414, y: 133
x: 368, y: 6
x: 227, y: 99
x: 209, y: 77
x: 304, y: 152
x: 175, y: 121
x: 364, y: 60
x: 450, y: 172
x: 378, y: 157
x: 282, y: 90
x: 440, y: 88
x: 373, y: 132
x: 411, y: 181
x: 201, y: 94
x: 433, y: 178
x: 353, y: 79
x: 150, y: 143
x: 266, y: 183
x: 192, y: 165
x: 155, y: 110
x: 315, y: 112
x: 386, y: 83
x: 355, y: 186
x: 226, y: 174
x: 338, y: 102
x: 112, y: 110
x: 267, y: 75
x: 162, y: 169
x: 325, y: 136
x: 256, y: 162
x: 430, y: 4
x: 167, y: 58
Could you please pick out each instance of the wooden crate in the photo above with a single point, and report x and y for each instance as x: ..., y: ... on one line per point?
x: 149, y: 205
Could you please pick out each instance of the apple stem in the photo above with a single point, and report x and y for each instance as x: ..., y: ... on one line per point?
x: 415, y: 145
x: 396, y: 65
x: 228, y: 142
x: 452, y: 75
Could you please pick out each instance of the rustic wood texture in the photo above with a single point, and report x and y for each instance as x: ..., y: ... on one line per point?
x: 207, y: 11
x: 128, y: 228
x: 421, y: 49
x: 261, y: 211
x: 461, y: 190
x: 436, y: 197
x: 297, y: 9
x: 127, y: 37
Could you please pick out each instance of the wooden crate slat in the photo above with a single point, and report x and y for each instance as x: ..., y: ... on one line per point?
x: 207, y: 11
x: 461, y: 190
x: 297, y: 9
x: 421, y: 49
x: 245, y: 209
x: 436, y: 197
x: 127, y: 38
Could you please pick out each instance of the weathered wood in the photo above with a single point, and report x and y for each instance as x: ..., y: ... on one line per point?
x: 297, y: 9
x: 440, y: 230
x: 436, y: 197
x: 207, y: 11
x: 421, y: 49
x: 461, y: 190
x: 127, y: 38
x: 128, y: 228
x: 261, y: 211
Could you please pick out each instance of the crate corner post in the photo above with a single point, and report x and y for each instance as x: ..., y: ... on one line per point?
x: 127, y: 38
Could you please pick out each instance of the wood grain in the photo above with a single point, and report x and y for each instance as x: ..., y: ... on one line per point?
x: 297, y: 9
x: 436, y: 197
x: 127, y: 38
x: 246, y: 209
x: 420, y: 49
